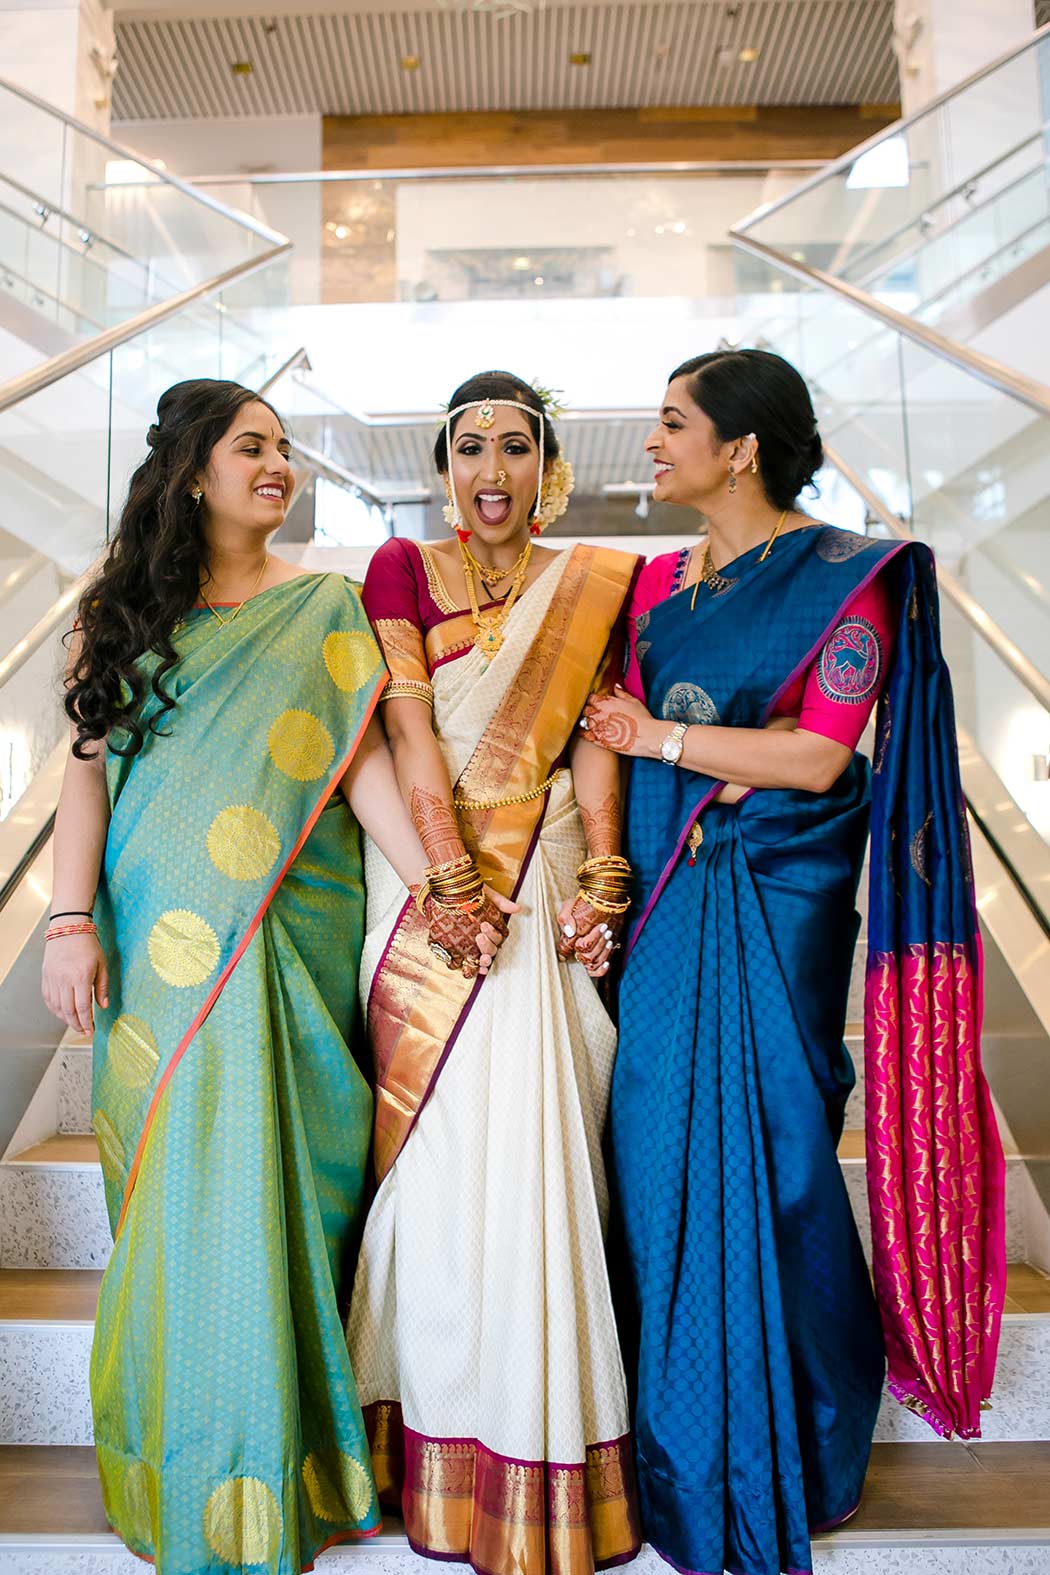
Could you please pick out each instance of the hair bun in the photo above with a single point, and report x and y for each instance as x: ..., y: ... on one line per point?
x: 155, y: 436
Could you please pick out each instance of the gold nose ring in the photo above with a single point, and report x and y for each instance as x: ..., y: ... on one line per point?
x: 501, y: 478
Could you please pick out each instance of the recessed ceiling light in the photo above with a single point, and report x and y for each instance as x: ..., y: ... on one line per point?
x: 241, y: 68
x: 747, y: 56
x: 580, y: 57
x: 410, y: 62
x: 522, y: 264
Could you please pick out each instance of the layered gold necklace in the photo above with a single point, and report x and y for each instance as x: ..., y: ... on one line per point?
x: 716, y: 582
x: 214, y: 610
x: 488, y: 626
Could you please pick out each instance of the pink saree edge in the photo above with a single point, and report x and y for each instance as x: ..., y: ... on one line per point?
x: 799, y: 668
x: 902, y: 1385
x: 241, y: 947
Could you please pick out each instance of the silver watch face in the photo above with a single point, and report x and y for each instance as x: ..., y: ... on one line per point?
x: 671, y: 750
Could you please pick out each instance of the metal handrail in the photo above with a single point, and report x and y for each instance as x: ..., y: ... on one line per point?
x: 78, y: 356
x: 949, y: 229
x: 9, y: 273
x: 472, y: 171
x: 847, y: 160
x: 44, y: 627
x: 53, y: 208
x: 298, y: 358
x: 243, y: 220
x: 15, y: 578
x: 994, y: 373
x: 1009, y: 654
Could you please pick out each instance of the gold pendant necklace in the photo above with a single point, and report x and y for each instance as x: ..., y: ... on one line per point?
x: 488, y: 626
x: 716, y: 582
x: 215, y: 612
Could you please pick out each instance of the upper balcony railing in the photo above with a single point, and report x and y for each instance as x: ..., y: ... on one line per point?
x: 100, y: 232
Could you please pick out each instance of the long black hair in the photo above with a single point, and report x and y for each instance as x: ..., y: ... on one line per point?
x: 745, y: 391
x: 499, y: 385
x: 152, y: 572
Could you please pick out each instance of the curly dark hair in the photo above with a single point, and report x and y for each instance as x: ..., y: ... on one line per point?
x: 499, y: 385
x: 152, y: 572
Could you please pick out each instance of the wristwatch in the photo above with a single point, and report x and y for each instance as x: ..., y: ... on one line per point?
x: 673, y: 744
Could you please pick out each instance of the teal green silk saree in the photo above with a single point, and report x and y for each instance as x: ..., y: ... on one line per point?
x: 232, y: 1120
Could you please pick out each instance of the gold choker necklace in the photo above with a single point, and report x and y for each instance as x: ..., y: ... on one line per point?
x: 490, y: 576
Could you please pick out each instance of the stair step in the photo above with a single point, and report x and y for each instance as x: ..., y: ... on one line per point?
x: 74, y: 1086
x: 980, y: 1509
x: 52, y: 1206
x: 46, y: 1330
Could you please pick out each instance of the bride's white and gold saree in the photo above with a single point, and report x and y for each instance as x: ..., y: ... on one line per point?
x: 481, y: 1332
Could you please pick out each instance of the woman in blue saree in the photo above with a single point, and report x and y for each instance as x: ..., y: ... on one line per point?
x: 755, y: 1332
x: 207, y: 924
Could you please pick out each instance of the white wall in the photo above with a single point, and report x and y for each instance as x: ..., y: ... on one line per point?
x: 248, y: 145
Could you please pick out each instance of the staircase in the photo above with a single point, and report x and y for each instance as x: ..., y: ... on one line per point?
x: 930, y: 1505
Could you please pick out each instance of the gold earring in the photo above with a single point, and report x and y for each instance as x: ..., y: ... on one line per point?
x: 754, y: 465
x: 732, y: 479
x: 196, y: 494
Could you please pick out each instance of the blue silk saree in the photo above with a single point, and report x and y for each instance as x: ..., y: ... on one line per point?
x: 758, y: 1341
x: 233, y: 1123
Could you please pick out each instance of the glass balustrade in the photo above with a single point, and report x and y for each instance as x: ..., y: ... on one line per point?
x: 90, y: 236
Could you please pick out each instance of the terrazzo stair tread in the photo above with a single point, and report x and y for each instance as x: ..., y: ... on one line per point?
x: 74, y: 1087
x: 46, y: 1295
x: 977, y: 1488
x: 63, y: 1148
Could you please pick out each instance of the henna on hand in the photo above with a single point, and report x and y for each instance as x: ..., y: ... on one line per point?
x: 456, y: 931
x: 435, y: 821
x: 613, y: 731
x: 602, y: 826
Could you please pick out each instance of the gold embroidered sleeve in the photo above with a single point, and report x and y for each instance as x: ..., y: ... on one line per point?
x: 405, y: 656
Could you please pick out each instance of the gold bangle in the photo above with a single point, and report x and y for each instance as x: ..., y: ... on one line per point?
x: 592, y: 901
x: 605, y: 862
x: 500, y: 803
x: 450, y: 866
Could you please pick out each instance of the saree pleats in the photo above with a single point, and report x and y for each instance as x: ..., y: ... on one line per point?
x: 760, y: 1362
x: 759, y: 1340
x: 234, y: 1147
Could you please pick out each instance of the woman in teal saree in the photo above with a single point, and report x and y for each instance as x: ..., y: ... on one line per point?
x: 220, y: 821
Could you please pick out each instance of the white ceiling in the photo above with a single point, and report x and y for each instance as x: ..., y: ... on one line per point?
x: 643, y: 53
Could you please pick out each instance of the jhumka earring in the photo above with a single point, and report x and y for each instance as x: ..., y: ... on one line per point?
x: 732, y: 479
x: 453, y: 518
x: 196, y: 494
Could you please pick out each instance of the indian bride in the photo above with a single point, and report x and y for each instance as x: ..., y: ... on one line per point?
x: 756, y: 1337
x: 481, y: 1331
x: 224, y: 752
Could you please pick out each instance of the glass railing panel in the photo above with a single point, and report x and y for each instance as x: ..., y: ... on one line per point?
x: 525, y: 237
x: 920, y: 180
x: 32, y: 721
x: 112, y: 234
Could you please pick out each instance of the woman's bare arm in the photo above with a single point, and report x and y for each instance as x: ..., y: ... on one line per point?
x: 75, y: 973
x: 749, y: 757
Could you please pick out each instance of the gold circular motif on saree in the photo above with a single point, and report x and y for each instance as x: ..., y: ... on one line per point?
x: 300, y: 745
x: 242, y: 1522
x: 337, y: 1486
x: 350, y: 657
x: 183, y: 948
x: 110, y: 1148
x: 132, y: 1052
x: 139, y: 1493
x: 243, y: 843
